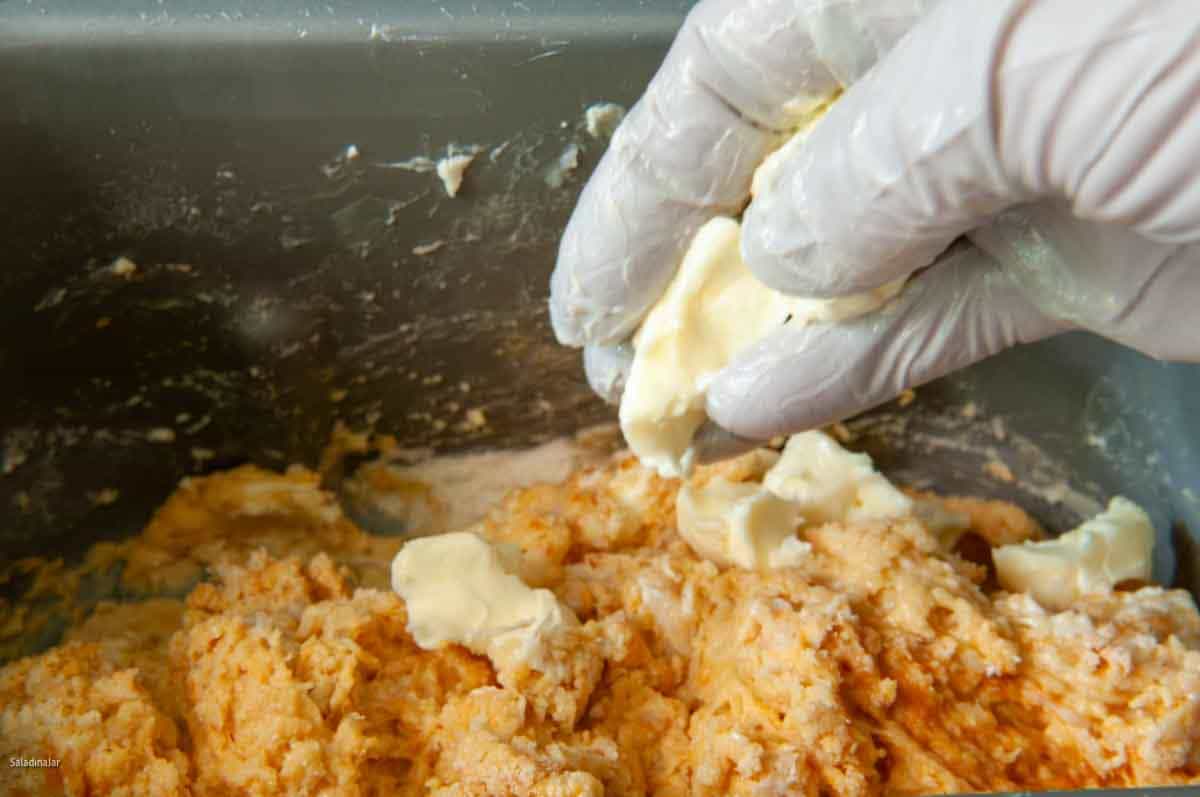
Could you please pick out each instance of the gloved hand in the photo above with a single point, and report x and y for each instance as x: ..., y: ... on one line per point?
x: 1061, y: 136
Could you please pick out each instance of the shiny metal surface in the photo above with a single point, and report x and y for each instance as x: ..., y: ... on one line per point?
x: 276, y: 284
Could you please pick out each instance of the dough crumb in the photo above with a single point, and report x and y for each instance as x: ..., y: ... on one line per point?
x: 998, y: 470
x: 566, y: 164
x: 428, y: 249
x: 451, y: 170
x: 841, y: 432
x: 123, y: 267
x: 602, y: 119
x: 475, y: 420
x: 418, y: 163
x: 104, y: 497
x: 162, y: 434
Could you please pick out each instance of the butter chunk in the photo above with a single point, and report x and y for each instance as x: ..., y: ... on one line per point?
x: 1116, y: 545
x: 458, y: 588
x: 737, y: 523
x: 752, y: 522
x: 827, y: 483
x: 712, y: 310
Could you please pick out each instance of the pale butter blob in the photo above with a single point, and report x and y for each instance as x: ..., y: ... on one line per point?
x: 1116, y: 545
x: 752, y: 524
x: 827, y: 483
x: 740, y: 523
x: 712, y: 310
x: 459, y: 588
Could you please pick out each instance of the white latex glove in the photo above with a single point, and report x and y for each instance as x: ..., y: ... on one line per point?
x: 739, y: 76
x: 1061, y: 135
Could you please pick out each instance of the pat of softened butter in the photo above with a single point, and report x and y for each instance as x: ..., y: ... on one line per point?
x: 739, y: 523
x: 828, y: 483
x: 1115, y: 546
x: 458, y: 588
x: 712, y: 310
x: 752, y: 524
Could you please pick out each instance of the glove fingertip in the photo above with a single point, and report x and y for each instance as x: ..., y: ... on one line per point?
x: 607, y: 369
x: 745, y: 397
x: 562, y: 321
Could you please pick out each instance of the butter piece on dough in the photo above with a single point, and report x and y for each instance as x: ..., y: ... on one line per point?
x: 751, y: 522
x: 1116, y: 545
x: 458, y: 588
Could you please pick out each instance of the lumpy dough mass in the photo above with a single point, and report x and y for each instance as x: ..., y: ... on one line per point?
x: 880, y: 663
